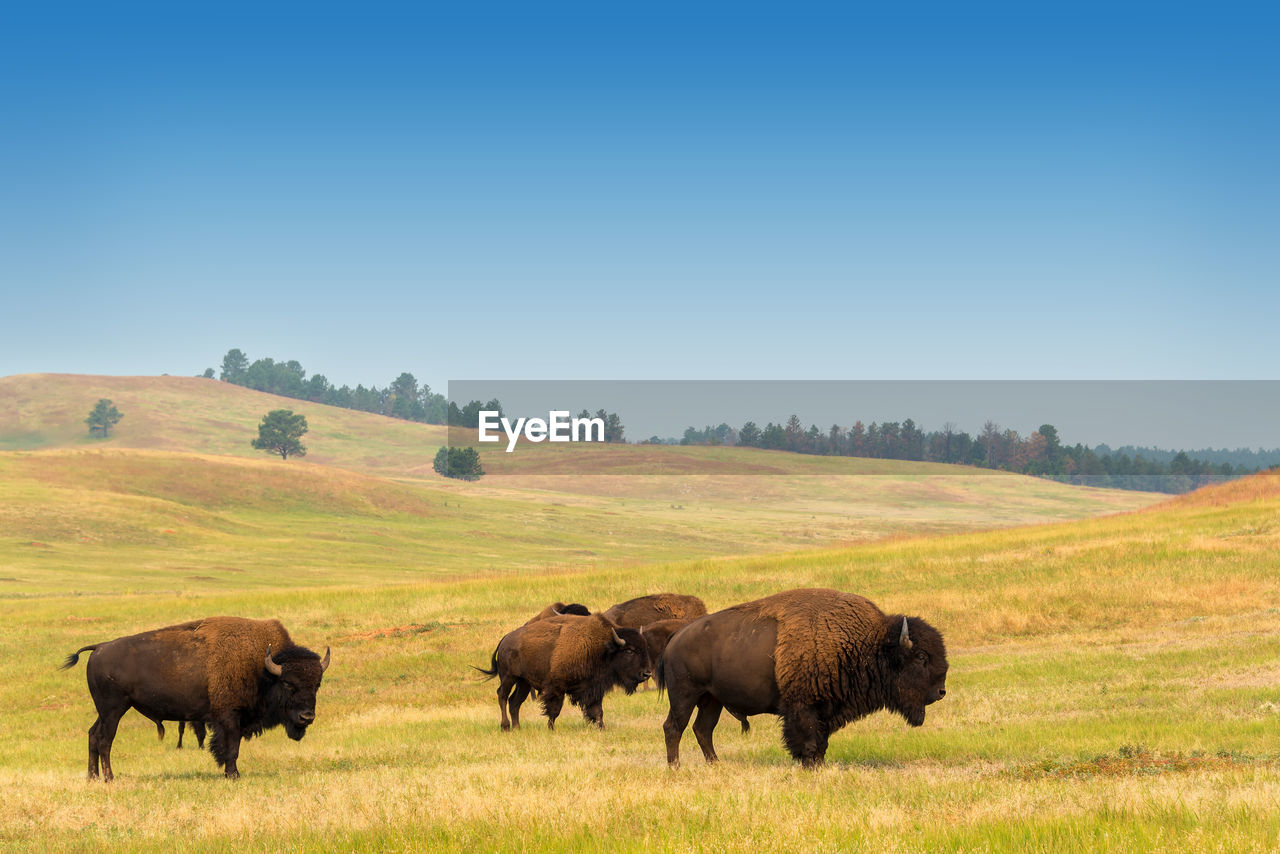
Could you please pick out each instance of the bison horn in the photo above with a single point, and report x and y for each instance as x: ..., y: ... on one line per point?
x: 616, y: 639
x: 272, y: 668
x: 324, y: 665
x: 904, y: 639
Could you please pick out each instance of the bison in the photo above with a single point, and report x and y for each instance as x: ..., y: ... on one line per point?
x: 558, y: 608
x: 818, y: 659
x: 242, y: 676
x: 569, y: 655
x: 639, y: 612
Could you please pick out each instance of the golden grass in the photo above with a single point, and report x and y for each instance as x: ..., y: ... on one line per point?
x: 1111, y: 688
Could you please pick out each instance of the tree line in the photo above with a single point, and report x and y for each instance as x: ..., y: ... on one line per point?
x: 1041, y: 453
x: 403, y: 398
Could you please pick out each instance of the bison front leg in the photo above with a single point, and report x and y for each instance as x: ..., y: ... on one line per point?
x: 593, y: 711
x: 226, y: 744
x: 705, y: 724
x: 551, y: 705
x: 805, y: 736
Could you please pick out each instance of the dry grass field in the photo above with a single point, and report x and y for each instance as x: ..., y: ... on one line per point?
x: 1114, y: 684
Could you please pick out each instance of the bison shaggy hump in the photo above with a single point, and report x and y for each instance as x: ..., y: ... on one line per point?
x: 817, y: 658
x: 643, y: 610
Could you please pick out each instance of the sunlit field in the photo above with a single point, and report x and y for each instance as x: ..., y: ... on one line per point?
x: 1114, y: 684
x: 1114, y: 669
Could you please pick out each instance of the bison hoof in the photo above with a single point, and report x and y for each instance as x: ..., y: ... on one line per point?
x: 506, y: 727
x: 233, y: 775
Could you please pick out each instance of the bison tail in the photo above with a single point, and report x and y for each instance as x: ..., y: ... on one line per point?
x: 493, y: 667
x: 660, y: 674
x: 75, y: 656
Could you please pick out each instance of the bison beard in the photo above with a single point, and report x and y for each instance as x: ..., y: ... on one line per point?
x: 816, y: 658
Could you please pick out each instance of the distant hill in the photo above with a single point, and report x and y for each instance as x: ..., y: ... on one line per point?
x: 202, y: 416
x: 1249, y: 458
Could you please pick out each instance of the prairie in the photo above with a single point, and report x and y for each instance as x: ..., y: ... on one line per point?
x: 1113, y: 677
x: 1113, y: 684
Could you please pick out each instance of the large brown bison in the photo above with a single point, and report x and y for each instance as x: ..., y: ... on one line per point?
x: 816, y: 658
x: 570, y: 655
x: 643, y: 610
x: 242, y: 676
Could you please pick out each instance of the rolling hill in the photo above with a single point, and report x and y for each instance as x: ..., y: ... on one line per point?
x: 177, y: 485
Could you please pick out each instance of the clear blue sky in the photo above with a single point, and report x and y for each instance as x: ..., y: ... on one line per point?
x: 642, y: 190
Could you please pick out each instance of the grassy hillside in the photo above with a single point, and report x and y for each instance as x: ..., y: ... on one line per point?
x: 202, y: 416
x: 147, y: 521
x: 1114, y: 685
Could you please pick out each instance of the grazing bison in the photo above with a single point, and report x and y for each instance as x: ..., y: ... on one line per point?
x: 559, y: 608
x: 640, y: 612
x: 570, y: 655
x: 242, y: 676
x: 816, y: 658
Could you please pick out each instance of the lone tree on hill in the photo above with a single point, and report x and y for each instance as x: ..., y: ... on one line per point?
x: 279, y: 433
x: 461, y: 463
x: 103, y: 417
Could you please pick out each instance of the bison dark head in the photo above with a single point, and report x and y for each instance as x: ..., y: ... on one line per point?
x: 629, y: 659
x: 916, y: 660
x: 292, y: 678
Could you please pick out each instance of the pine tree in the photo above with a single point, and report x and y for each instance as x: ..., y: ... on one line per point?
x: 279, y: 433
x: 103, y: 416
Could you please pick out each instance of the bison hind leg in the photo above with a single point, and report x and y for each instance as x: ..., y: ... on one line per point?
x: 704, y: 725
x: 505, y: 684
x: 93, y: 748
x: 516, y: 700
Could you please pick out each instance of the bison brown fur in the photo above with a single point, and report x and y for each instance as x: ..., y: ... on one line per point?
x: 580, y: 657
x: 816, y: 658
x: 241, y: 676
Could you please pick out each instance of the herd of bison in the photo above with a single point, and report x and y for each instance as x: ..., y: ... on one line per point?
x: 816, y: 658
